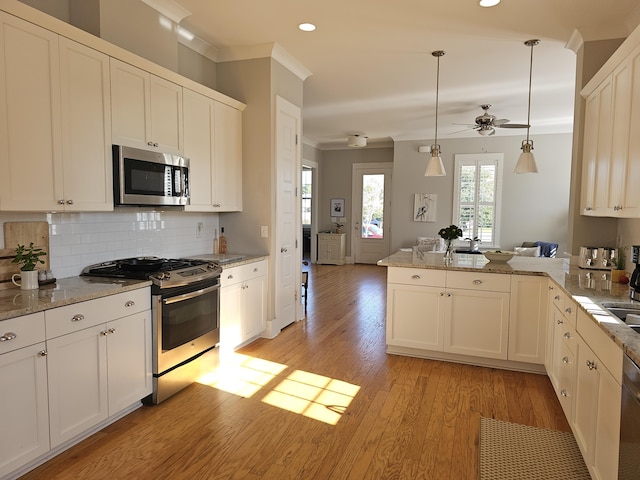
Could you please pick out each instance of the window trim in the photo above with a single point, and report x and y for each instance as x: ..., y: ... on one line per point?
x: 478, y: 159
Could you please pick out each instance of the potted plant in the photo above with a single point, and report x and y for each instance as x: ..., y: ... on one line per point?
x: 28, y: 257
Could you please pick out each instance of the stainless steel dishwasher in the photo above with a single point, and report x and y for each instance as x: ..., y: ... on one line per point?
x: 629, y: 458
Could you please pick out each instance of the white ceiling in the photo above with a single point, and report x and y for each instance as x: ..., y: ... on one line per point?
x: 372, y: 71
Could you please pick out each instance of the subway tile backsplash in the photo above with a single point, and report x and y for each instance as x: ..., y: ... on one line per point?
x: 80, y: 239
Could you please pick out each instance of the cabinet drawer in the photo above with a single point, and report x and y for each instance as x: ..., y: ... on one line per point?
x: 71, y: 318
x: 604, y: 347
x: 243, y: 272
x: 416, y: 276
x: 21, y: 331
x: 493, y: 282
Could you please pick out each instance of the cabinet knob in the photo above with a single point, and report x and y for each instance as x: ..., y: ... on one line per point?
x: 477, y: 282
x: 255, y: 269
x: 42, y: 353
x: 111, y: 330
x: 229, y: 277
x: 565, y: 360
x: 568, y: 309
x: 563, y: 393
x: 592, y: 365
x: 415, y: 277
x: 129, y: 303
x: 557, y: 297
x: 77, y: 317
x: 8, y: 336
x: 283, y: 250
x: 61, y: 202
x: 560, y: 321
x: 69, y: 202
x: 448, y: 294
x: 567, y: 335
x: 104, y: 333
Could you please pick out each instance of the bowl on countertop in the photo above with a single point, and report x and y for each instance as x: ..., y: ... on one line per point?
x: 500, y: 256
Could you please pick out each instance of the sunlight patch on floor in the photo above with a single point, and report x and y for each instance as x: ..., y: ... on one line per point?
x: 315, y: 396
x: 242, y: 375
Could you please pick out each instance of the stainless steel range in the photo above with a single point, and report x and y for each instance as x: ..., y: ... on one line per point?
x: 185, y: 314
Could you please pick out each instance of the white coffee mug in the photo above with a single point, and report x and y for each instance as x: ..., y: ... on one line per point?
x: 28, y: 279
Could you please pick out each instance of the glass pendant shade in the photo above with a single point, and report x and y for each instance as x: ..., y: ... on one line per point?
x: 435, y: 167
x: 526, y: 162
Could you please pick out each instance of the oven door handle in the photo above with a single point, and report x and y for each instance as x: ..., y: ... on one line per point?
x: 187, y: 296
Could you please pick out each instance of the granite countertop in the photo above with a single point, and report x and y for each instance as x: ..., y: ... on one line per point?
x: 15, y: 302
x: 589, y: 288
x: 230, y: 259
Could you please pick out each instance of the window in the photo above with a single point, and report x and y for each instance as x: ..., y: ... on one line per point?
x: 478, y: 184
x: 306, y: 195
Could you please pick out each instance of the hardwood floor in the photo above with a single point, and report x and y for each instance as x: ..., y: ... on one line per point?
x: 321, y: 401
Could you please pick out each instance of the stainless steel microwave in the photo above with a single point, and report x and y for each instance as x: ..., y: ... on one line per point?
x: 142, y: 177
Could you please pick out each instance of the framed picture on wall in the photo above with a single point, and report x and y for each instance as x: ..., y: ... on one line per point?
x: 337, y: 207
x: 424, y: 207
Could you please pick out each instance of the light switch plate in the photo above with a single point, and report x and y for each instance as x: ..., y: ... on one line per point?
x: 264, y: 231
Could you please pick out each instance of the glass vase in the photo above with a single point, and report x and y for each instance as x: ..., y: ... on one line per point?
x: 448, y: 253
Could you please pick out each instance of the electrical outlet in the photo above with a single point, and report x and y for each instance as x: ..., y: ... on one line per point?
x: 199, y: 228
x: 264, y: 231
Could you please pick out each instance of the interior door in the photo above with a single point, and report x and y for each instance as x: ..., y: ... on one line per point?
x: 371, y: 202
x: 288, y: 258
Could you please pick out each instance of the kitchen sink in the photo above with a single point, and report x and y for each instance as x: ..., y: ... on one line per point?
x: 622, y: 311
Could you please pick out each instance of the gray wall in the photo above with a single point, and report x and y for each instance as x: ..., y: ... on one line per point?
x: 534, y: 206
x: 335, y: 182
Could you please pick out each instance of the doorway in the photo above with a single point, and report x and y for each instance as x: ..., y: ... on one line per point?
x: 371, y: 202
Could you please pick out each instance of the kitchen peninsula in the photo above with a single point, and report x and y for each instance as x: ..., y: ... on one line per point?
x: 588, y: 288
x: 530, y: 314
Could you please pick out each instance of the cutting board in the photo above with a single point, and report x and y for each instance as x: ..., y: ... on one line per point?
x: 21, y: 233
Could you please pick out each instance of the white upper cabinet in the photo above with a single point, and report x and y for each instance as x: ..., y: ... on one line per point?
x: 227, y: 160
x: 30, y: 127
x: 86, y: 128
x: 198, y: 148
x: 611, y: 145
x: 213, y: 145
x: 146, y: 110
x: 55, y: 127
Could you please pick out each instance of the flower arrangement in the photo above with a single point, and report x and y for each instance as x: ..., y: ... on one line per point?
x: 450, y: 233
x: 29, y: 257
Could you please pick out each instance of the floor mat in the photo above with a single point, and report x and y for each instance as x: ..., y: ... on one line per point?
x: 509, y: 451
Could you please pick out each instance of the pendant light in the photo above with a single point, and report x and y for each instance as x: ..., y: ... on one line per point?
x: 435, y: 168
x: 526, y: 162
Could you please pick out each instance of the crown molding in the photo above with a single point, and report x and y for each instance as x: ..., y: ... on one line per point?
x: 169, y: 9
x: 264, y: 50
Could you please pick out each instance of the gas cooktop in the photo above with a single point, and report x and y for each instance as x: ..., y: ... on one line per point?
x: 163, y: 272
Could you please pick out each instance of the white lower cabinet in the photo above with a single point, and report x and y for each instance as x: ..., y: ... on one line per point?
x: 415, y: 317
x: 99, y: 360
x: 596, y: 415
x: 477, y: 323
x: 24, y: 434
x: 475, y: 314
x: 243, y: 298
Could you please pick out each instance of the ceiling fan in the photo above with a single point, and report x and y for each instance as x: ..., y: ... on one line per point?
x: 486, y: 123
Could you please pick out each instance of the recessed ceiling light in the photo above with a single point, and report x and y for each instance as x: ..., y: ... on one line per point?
x: 489, y: 3
x: 307, y: 27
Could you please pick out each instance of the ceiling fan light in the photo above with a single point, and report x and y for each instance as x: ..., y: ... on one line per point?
x: 489, y: 3
x: 356, y: 141
x: 526, y: 162
x: 435, y: 167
